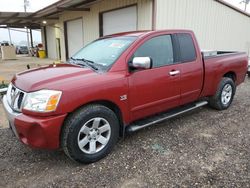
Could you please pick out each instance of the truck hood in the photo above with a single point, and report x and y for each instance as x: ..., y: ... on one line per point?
x: 51, y: 77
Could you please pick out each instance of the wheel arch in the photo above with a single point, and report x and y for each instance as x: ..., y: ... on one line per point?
x: 111, y: 105
x: 232, y: 75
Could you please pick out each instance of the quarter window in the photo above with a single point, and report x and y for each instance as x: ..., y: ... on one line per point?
x: 187, y: 49
x: 159, y: 49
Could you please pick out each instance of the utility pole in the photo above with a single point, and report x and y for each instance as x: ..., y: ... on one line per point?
x: 9, y: 36
x: 25, y: 5
x: 246, y: 2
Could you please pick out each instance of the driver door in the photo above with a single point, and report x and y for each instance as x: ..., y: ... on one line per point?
x: 157, y: 89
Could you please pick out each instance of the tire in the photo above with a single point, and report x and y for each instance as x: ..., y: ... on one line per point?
x: 248, y: 73
x: 83, y: 133
x: 224, y: 94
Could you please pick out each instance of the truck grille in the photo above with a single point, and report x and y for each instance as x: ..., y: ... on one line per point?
x: 15, y: 98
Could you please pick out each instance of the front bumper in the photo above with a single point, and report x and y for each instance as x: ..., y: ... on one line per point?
x: 37, y: 132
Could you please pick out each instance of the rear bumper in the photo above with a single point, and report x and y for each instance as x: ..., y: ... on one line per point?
x: 37, y: 132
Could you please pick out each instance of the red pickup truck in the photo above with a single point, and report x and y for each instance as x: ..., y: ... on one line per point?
x: 117, y: 84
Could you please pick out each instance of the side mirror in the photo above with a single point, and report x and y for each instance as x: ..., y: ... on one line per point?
x: 142, y: 63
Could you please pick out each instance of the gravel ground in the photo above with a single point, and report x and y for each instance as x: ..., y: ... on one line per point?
x: 204, y: 148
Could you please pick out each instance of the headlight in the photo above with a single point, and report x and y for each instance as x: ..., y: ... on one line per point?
x: 42, y: 101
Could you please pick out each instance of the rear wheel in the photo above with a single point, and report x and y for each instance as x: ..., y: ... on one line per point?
x: 90, y: 133
x: 224, y: 94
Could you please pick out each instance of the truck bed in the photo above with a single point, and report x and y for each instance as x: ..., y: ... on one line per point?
x: 219, y: 63
x: 212, y: 53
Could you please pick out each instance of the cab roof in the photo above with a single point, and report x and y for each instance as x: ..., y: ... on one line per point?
x: 146, y: 32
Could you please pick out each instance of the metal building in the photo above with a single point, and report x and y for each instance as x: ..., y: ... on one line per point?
x: 216, y: 24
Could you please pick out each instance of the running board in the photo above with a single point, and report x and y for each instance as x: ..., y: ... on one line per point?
x: 137, y: 125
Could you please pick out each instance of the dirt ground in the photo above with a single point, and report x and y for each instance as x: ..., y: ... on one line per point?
x: 204, y: 148
x: 9, y: 67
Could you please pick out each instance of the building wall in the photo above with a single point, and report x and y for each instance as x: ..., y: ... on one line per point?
x: 91, y: 18
x: 215, y: 25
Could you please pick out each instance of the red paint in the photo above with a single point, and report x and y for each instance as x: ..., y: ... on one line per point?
x: 40, y: 132
x: 148, y: 91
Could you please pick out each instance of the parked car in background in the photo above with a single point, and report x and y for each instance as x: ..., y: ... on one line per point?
x: 117, y: 84
x: 4, y: 43
x: 22, y: 50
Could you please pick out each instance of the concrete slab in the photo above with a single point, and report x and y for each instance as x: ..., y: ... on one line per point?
x: 8, y: 68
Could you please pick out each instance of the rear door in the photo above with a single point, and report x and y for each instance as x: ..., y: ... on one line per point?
x: 191, y: 67
x: 157, y: 89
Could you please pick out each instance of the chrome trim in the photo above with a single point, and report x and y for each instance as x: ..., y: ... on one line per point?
x: 13, y: 96
x: 142, y: 62
x: 11, y: 114
x: 173, y: 73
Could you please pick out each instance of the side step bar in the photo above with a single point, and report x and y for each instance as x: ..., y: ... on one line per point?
x: 162, y: 117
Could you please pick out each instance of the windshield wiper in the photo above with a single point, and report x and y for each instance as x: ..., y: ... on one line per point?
x: 86, y: 62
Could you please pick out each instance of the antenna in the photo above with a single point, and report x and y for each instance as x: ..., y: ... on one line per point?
x: 26, y: 3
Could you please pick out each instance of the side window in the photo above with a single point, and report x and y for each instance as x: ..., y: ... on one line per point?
x: 159, y: 49
x: 187, y: 49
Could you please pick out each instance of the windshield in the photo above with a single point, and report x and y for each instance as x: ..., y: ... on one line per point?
x: 104, y: 52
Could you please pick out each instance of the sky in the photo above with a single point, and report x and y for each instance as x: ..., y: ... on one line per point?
x: 17, y: 37
x: 18, y: 5
x: 34, y: 5
x: 239, y: 4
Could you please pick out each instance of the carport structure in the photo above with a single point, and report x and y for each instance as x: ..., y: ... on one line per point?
x: 24, y: 20
x: 44, y: 19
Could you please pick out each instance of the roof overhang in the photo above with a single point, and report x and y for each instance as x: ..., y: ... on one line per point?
x: 50, y: 14
x: 18, y: 20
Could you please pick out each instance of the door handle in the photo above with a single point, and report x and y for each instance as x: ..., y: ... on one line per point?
x: 173, y: 73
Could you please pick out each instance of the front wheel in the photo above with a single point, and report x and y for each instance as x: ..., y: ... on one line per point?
x: 90, y: 133
x: 224, y: 94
